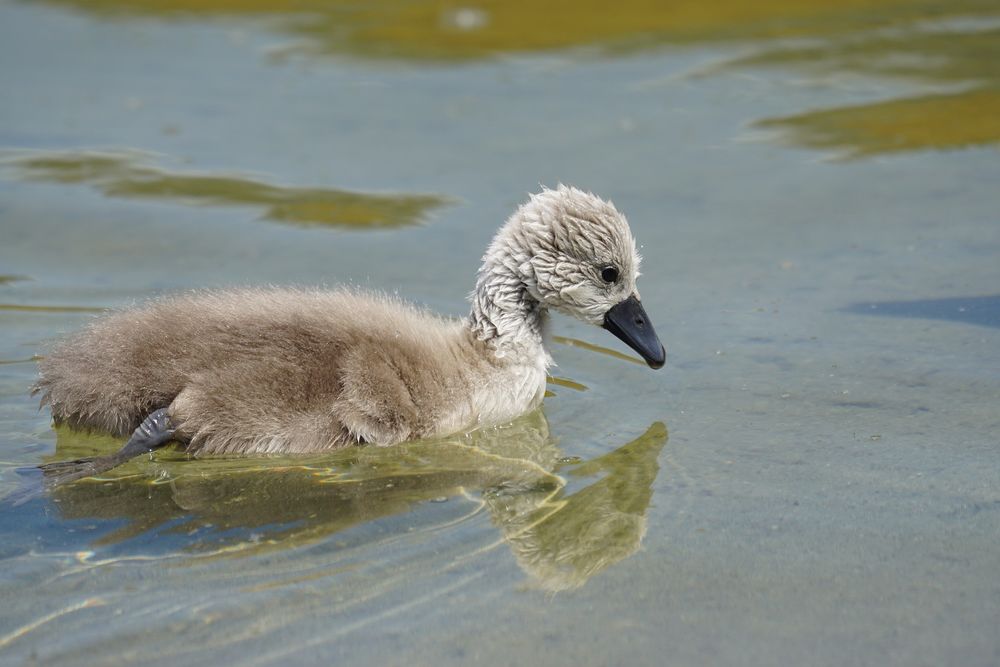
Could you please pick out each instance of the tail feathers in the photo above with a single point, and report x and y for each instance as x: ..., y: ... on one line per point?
x: 98, y: 409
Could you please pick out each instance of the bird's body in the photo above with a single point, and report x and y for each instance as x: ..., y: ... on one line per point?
x: 285, y: 370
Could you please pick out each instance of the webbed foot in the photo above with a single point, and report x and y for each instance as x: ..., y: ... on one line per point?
x: 155, y: 431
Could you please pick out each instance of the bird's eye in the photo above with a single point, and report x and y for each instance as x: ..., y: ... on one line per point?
x: 609, y: 274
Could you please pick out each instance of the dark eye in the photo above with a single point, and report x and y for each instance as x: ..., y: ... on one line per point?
x: 609, y: 274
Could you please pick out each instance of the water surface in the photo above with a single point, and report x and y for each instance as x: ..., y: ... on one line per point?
x: 814, y: 477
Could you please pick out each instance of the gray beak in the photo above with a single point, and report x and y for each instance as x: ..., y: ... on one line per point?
x: 629, y: 322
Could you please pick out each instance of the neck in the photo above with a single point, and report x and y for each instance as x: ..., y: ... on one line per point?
x: 503, y: 314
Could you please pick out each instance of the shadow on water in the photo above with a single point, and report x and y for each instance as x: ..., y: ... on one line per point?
x: 127, y: 175
x: 981, y: 310
x: 245, y: 506
x: 952, y: 47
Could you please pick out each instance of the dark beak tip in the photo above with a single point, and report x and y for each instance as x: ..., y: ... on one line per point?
x: 658, y: 361
x: 630, y: 324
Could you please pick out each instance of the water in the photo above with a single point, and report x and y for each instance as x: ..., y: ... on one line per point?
x: 814, y: 478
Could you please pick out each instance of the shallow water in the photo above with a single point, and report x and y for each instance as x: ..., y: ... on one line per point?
x: 814, y: 478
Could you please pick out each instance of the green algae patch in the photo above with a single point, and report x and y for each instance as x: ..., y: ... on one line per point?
x: 128, y: 175
x: 950, y: 121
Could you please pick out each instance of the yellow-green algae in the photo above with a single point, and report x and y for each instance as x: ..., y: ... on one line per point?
x: 127, y: 175
x: 962, y: 109
x: 469, y: 29
x: 951, y: 45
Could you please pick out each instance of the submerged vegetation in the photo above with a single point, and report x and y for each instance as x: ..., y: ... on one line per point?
x: 951, y: 49
x: 127, y: 175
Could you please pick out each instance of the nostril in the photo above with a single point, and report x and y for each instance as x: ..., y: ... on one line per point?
x: 639, y: 321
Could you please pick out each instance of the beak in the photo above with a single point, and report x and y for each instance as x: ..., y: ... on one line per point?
x: 629, y: 322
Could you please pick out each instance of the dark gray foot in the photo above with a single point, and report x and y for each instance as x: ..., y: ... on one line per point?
x: 155, y: 431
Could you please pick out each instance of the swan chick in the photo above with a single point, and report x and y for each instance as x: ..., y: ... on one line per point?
x: 279, y: 370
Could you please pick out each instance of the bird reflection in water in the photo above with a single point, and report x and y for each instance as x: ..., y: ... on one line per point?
x: 559, y: 537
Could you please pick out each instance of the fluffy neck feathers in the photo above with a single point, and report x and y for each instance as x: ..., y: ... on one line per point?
x: 504, y: 314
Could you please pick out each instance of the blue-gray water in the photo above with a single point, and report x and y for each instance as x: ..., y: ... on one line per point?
x: 814, y: 477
